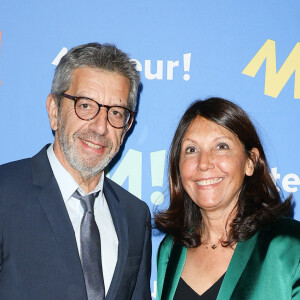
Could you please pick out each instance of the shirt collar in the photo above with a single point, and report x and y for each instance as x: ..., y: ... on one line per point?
x: 67, y: 184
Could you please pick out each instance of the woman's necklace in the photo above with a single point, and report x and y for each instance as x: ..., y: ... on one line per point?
x: 214, y: 246
x: 207, y: 245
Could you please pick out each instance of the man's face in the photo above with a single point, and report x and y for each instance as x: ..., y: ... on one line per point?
x: 88, y: 146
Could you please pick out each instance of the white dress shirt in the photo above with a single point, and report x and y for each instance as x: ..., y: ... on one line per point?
x: 109, y: 239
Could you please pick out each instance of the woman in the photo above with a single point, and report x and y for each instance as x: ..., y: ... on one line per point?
x: 226, y: 234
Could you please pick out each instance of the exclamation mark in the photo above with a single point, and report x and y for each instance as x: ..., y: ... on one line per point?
x: 58, y: 57
x: 0, y: 48
x: 157, y: 174
x: 187, y: 65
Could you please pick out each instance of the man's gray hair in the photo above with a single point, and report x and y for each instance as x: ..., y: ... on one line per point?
x: 106, y: 57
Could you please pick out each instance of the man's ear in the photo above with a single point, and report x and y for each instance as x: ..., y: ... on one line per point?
x: 126, y: 129
x: 52, y: 110
x: 252, y: 160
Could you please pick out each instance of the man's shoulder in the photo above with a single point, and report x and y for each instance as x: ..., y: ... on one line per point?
x: 15, y: 168
x: 125, y: 196
x: 14, y: 177
x: 20, y: 170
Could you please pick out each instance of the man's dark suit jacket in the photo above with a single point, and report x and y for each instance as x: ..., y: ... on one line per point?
x: 38, y: 252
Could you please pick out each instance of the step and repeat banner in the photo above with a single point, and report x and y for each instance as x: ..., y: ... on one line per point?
x: 247, y: 52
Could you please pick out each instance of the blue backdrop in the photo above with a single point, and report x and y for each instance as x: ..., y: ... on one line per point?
x: 247, y: 52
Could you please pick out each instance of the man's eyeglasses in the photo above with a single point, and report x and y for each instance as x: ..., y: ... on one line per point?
x: 87, y: 109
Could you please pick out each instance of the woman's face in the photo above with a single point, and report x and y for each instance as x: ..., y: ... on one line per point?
x: 213, y: 165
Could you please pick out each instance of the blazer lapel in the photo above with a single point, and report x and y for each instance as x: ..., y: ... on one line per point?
x: 120, y: 223
x: 51, y: 201
x: 173, y: 271
x: 241, y: 255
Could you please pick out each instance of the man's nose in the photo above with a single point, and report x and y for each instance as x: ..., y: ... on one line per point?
x: 99, y: 123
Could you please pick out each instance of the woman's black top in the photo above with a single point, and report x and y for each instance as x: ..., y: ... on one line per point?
x: 185, y: 292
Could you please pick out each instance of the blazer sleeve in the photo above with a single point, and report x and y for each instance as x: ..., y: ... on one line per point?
x: 142, y: 287
x: 296, y: 284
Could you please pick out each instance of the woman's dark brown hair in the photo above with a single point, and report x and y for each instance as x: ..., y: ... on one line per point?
x: 259, y: 202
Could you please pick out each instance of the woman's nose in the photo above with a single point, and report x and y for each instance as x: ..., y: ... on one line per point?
x: 205, y: 161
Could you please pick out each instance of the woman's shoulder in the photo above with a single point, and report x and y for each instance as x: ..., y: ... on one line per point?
x: 163, y: 255
x: 286, y: 227
x: 284, y: 232
x: 165, y: 246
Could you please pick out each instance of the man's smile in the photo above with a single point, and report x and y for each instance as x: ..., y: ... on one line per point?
x: 92, y: 145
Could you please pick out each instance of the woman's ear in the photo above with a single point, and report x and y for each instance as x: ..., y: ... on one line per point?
x: 252, y: 160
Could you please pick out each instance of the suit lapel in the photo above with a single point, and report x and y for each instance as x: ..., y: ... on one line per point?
x: 121, y: 226
x: 241, y: 255
x: 51, y: 201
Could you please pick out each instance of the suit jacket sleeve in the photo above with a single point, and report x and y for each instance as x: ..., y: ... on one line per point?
x: 142, y: 287
x: 1, y: 232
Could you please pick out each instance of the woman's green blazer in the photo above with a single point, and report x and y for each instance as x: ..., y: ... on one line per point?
x: 265, y: 267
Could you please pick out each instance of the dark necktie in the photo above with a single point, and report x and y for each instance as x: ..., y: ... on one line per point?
x: 91, y: 249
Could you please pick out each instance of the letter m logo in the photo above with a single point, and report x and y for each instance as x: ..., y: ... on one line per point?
x: 275, y: 81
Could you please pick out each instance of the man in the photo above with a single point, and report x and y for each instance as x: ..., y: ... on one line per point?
x: 67, y: 231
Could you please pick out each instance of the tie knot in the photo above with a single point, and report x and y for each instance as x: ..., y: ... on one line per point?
x: 87, y: 201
